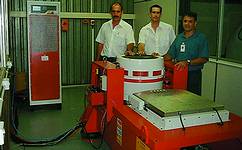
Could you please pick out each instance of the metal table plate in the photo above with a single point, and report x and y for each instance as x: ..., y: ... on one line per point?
x: 172, y: 101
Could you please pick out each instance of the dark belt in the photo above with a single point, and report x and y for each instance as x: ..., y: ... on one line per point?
x: 110, y: 59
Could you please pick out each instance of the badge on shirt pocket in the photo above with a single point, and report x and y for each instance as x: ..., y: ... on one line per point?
x: 183, y: 48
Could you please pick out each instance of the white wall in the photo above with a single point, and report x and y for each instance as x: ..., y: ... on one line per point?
x: 228, y: 85
x: 208, y: 80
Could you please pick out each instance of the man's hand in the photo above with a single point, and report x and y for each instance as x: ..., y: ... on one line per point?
x: 181, y: 65
x: 155, y: 54
x: 129, y: 53
x: 141, y: 53
x: 141, y: 49
x: 167, y: 57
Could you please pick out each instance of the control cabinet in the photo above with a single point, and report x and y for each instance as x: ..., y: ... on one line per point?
x: 44, y: 52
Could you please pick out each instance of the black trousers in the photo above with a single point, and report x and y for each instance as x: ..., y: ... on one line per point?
x: 194, y: 84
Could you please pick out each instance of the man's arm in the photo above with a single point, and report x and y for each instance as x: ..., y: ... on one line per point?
x: 130, y: 41
x: 100, y: 40
x: 141, y: 45
x: 196, y: 61
x: 99, y: 50
x: 201, y: 59
x: 172, y: 35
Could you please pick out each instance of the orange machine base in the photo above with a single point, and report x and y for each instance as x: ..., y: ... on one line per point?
x: 128, y: 130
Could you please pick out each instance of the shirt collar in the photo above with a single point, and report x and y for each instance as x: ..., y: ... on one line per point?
x: 159, y: 27
x: 121, y: 23
x: 194, y: 35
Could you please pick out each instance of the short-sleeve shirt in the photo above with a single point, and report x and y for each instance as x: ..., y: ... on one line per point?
x: 192, y: 47
x: 115, y: 39
x: 158, y: 41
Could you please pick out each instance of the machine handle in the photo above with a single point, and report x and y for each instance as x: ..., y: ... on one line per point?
x: 144, y: 129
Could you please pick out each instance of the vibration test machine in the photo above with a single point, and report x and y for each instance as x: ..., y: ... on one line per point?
x: 167, y: 118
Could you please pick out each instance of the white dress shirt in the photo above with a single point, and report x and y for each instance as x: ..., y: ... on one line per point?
x: 159, y: 41
x: 115, y: 39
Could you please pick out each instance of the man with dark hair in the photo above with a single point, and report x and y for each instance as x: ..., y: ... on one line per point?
x: 116, y: 3
x: 115, y: 37
x: 157, y: 6
x: 156, y: 37
x: 190, y: 48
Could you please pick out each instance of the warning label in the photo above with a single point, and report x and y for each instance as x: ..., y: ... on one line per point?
x: 140, y: 145
x: 119, y: 131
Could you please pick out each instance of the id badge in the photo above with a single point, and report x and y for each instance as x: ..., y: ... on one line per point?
x: 183, y: 48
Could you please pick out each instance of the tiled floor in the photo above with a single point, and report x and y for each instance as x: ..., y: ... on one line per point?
x: 42, y: 124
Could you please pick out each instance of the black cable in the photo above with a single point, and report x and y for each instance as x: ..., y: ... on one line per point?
x: 28, y: 143
x: 90, y: 140
x: 25, y: 142
x: 51, y: 142
x: 183, y: 127
x: 101, y: 134
x: 221, y: 121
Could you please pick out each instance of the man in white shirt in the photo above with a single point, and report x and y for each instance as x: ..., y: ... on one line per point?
x: 116, y: 37
x: 156, y: 37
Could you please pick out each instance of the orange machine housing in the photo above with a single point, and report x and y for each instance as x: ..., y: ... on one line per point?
x: 128, y: 130
x: 125, y: 129
x: 174, y: 78
x: 101, y: 103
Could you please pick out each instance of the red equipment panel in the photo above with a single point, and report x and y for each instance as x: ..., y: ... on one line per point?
x: 101, y: 103
x: 44, y: 76
x: 44, y: 59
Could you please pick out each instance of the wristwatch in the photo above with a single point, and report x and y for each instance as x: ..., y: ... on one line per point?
x: 189, y: 61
